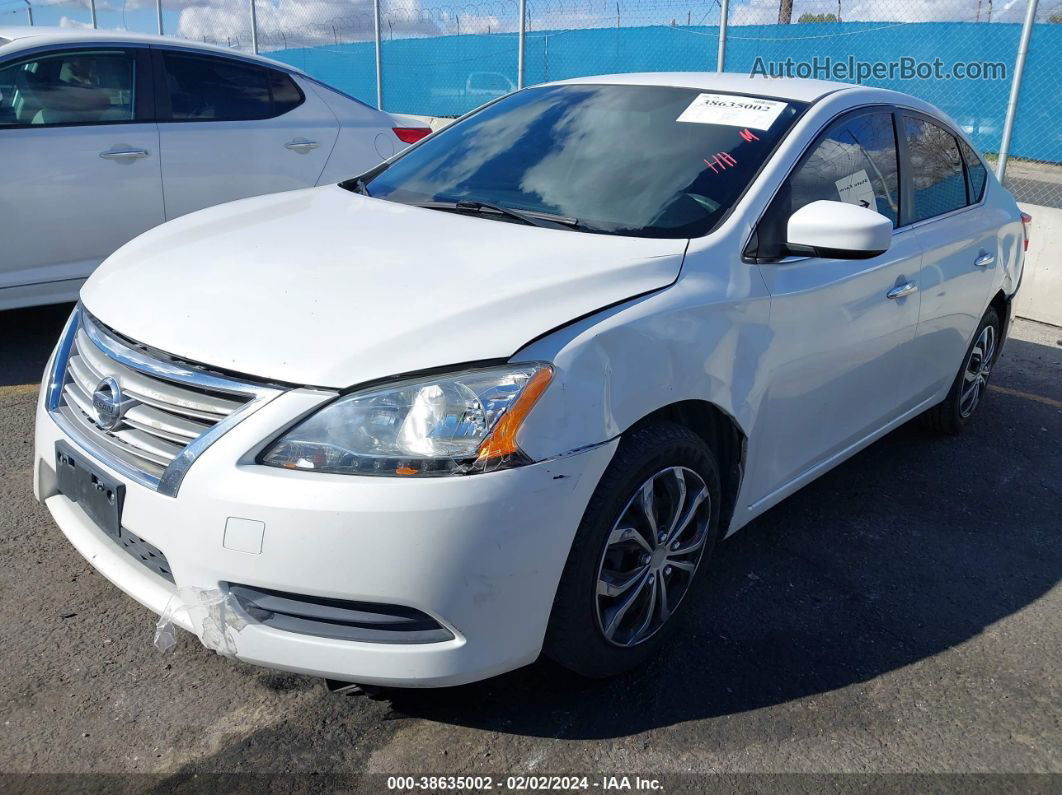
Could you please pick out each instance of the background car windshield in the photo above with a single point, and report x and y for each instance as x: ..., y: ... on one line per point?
x: 616, y: 158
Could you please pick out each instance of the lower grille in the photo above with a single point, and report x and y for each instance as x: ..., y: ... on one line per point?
x: 338, y: 619
x: 148, y: 554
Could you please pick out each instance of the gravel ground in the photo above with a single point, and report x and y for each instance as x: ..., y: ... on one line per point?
x: 900, y: 615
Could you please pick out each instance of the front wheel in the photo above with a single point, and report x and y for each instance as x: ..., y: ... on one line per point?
x: 968, y: 390
x: 650, y: 525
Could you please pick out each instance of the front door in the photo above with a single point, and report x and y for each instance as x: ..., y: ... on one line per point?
x: 839, y: 362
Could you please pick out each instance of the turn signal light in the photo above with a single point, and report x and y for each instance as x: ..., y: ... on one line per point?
x: 410, y: 135
x: 502, y: 440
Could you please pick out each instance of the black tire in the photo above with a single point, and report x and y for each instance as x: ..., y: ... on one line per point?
x: 575, y: 638
x: 952, y: 414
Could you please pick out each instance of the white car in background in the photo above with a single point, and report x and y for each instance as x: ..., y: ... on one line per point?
x: 504, y: 393
x: 104, y: 135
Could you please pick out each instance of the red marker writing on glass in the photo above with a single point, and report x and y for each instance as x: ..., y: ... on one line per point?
x: 720, y: 161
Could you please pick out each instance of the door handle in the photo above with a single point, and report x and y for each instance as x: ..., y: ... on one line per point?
x: 122, y: 154
x: 984, y: 260
x: 901, y: 290
x: 301, y: 145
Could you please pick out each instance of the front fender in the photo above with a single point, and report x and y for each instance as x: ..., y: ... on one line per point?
x: 701, y: 339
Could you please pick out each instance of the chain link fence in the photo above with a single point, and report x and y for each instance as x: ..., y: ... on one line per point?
x: 443, y: 59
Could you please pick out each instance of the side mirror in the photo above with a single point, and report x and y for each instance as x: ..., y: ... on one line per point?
x: 839, y: 230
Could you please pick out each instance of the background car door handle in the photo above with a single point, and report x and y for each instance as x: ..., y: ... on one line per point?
x: 301, y: 145
x: 901, y: 290
x: 123, y: 154
x: 984, y: 260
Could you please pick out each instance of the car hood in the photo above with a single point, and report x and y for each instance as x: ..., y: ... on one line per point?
x: 329, y: 288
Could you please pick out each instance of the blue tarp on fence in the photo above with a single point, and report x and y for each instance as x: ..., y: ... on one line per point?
x: 448, y: 75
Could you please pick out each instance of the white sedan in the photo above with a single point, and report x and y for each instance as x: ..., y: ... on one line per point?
x: 104, y: 135
x: 504, y: 393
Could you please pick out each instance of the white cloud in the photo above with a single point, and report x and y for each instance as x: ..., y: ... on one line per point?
x: 473, y: 23
x: 296, y: 23
x: 765, y: 12
x: 67, y: 22
x: 302, y: 23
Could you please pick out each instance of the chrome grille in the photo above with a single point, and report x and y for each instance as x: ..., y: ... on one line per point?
x: 167, y: 412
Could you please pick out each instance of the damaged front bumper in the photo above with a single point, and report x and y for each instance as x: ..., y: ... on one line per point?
x: 263, y: 564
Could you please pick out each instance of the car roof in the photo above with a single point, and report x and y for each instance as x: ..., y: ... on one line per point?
x: 799, y: 89
x: 25, y: 37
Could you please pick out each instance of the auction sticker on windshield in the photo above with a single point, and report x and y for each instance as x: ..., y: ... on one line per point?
x: 733, y: 111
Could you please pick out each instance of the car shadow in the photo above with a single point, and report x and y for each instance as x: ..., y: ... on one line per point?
x: 30, y: 334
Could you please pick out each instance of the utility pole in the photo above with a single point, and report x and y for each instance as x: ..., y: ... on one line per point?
x: 254, y: 28
x: 785, y: 12
x: 379, y: 54
x: 522, y: 45
x: 158, y: 12
x: 724, y: 14
x: 1015, y: 88
x: 29, y: 13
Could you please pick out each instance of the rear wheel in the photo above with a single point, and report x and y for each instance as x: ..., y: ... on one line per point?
x: 968, y: 390
x: 649, y: 527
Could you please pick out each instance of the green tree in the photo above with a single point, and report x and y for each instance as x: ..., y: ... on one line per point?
x: 808, y: 17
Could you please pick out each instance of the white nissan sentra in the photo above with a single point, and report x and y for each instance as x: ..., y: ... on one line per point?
x: 503, y: 394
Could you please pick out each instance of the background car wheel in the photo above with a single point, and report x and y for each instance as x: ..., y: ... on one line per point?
x: 968, y: 390
x: 650, y: 526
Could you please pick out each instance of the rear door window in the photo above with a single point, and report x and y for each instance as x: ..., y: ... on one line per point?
x: 938, y: 184
x: 206, y: 88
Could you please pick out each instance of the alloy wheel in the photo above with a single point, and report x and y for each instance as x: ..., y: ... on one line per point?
x: 651, y: 555
x: 978, y: 368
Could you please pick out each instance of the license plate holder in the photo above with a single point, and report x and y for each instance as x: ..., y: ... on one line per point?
x: 99, y: 496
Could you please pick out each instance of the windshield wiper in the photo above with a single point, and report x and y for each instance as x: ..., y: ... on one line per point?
x: 530, y: 217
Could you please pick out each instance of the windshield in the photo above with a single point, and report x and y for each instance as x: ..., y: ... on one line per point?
x: 647, y: 161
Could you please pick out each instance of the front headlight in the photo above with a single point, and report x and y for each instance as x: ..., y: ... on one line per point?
x: 445, y: 425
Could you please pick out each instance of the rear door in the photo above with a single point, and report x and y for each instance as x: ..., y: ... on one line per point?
x: 960, y: 239
x: 231, y: 128
x: 79, y: 155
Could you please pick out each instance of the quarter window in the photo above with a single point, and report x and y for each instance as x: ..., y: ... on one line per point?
x: 937, y: 180
x: 69, y: 87
x: 220, y: 89
x: 286, y: 95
